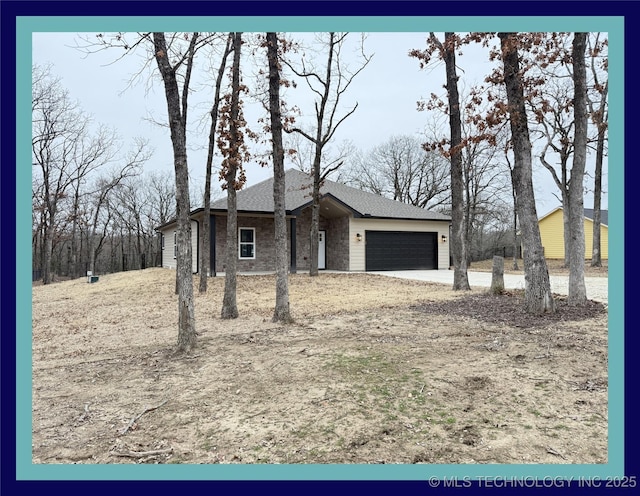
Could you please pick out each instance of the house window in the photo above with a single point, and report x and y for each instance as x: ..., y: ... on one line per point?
x: 175, y: 244
x: 162, y: 240
x: 246, y: 242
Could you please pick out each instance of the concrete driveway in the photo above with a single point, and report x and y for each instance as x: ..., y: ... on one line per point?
x: 597, y: 287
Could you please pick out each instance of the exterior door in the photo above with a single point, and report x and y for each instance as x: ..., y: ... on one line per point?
x: 322, y: 249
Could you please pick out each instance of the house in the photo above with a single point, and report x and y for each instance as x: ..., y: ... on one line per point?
x: 359, y: 231
x: 552, y: 233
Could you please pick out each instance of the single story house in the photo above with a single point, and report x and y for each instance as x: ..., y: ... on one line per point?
x: 359, y: 231
x: 552, y: 233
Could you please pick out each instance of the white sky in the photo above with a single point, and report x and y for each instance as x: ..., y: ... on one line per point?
x: 386, y: 92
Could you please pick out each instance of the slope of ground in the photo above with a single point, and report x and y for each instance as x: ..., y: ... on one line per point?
x: 373, y: 370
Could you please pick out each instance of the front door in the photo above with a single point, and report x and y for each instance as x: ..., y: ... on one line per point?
x: 322, y: 251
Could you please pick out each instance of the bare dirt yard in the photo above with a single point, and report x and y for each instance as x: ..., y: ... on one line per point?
x: 373, y: 370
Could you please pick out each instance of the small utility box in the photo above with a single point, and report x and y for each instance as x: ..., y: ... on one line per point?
x: 91, y: 278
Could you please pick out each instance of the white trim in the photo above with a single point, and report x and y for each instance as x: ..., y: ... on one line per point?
x: 175, y: 244
x: 240, y: 243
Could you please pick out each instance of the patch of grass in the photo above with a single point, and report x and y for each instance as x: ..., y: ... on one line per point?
x: 375, y: 365
x: 208, y: 442
x: 417, y: 397
x: 381, y: 391
x: 301, y: 432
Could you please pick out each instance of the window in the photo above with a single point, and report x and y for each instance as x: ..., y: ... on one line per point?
x: 162, y: 240
x: 246, y: 242
x: 175, y: 244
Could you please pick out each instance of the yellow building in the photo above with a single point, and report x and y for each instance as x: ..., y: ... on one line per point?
x: 552, y: 233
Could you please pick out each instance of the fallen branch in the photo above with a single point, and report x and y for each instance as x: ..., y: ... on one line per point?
x: 135, y: 419
x: 142, y: 454
x: 192, y: 357
x: 555, y: 452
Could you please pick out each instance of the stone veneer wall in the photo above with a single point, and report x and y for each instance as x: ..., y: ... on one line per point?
x: 264, y: 249
x: 337, y: 242
x: 303, y: 225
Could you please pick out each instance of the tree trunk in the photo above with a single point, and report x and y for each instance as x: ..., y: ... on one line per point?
x: 314, y: 232
x: 538, y: 298
x: 229, y: 303
x: 74, y: 233
x: 92, y: 254
x: 515, y: 228
x: 497, y: 276
x: 566, y: 227
x: 320, y: 141
x: 205, y: 241
x: 596, y: 257
x: 577, y: 288
x: 47, y: 276
x: 184, y: 269
x: 281, y: 312
x: 458, y: 228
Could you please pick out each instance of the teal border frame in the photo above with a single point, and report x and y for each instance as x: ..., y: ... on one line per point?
x: 26, y: 470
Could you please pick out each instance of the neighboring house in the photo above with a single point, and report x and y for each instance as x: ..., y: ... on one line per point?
x: 359, y: 231
x: 552, y: 233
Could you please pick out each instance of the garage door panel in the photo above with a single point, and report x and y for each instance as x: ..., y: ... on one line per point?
x: 399, y: 250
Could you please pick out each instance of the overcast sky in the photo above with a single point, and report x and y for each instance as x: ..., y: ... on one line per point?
x: 387, y: 92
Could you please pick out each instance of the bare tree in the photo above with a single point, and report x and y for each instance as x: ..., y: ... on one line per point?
x: 563, y: 115
x: 329, y: 88
x: 538, y: 297
x: 557, y: 125
x: 484, y: 185
x: 401, y: 169
x: 177, y: 116
x: 64, y: 153
x: 459, y: 246
x: 577, y: 288
x: 599, y: 117
x: 104, y: 188
x: 514, y: 224
x: 458, y: 221
x: 205, y: 262
x: 94, y: 153
x: 281, y: 312
x: 163, y: 195
x: 231, y: 144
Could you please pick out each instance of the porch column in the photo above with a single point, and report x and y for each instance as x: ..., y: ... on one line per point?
x: 292, y: 229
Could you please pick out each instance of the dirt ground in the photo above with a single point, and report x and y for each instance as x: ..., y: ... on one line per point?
x: 373, y: 370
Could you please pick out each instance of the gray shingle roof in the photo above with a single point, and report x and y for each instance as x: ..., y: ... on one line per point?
x: 259, y: 198
x: 604, y: 215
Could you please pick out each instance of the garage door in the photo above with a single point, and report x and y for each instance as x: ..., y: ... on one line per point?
x: 399, y: 250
